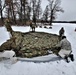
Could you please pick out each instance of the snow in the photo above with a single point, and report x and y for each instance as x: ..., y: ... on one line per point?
x: 7, y: 54
x: 46, y: 65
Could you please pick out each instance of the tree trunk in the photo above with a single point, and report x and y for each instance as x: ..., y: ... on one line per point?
x: 1, y: 15
x: 14, y: 18
x: 24, y: 20
x: 21, y: 11
x: 51, y: 17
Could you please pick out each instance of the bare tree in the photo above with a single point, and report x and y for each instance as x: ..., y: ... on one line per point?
x: 11, y: 9
x: 54, y: 7
x: 38, y: 9
x: 46, y: 14
x: 8, y: 10
x: 2, y: 6
x: 22, y: 7
x: 29, y: 12
x: 34, y: 2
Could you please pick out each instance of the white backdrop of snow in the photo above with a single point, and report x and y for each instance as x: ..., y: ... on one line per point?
x: 55, y: 67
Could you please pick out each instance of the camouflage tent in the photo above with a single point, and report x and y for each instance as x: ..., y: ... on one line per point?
x: 30, y: 44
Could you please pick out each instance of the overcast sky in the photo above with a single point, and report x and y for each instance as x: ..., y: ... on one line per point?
x: 69, y: 7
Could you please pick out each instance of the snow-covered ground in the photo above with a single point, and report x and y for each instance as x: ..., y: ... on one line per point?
x: 52, y: 66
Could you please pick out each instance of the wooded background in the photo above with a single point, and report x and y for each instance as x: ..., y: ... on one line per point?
x: 22, y: 11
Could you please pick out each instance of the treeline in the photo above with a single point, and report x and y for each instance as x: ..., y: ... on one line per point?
x: 22, y: 11
x: 64, y: 22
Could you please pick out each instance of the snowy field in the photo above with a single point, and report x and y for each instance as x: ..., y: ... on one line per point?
x: 50, y: 67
